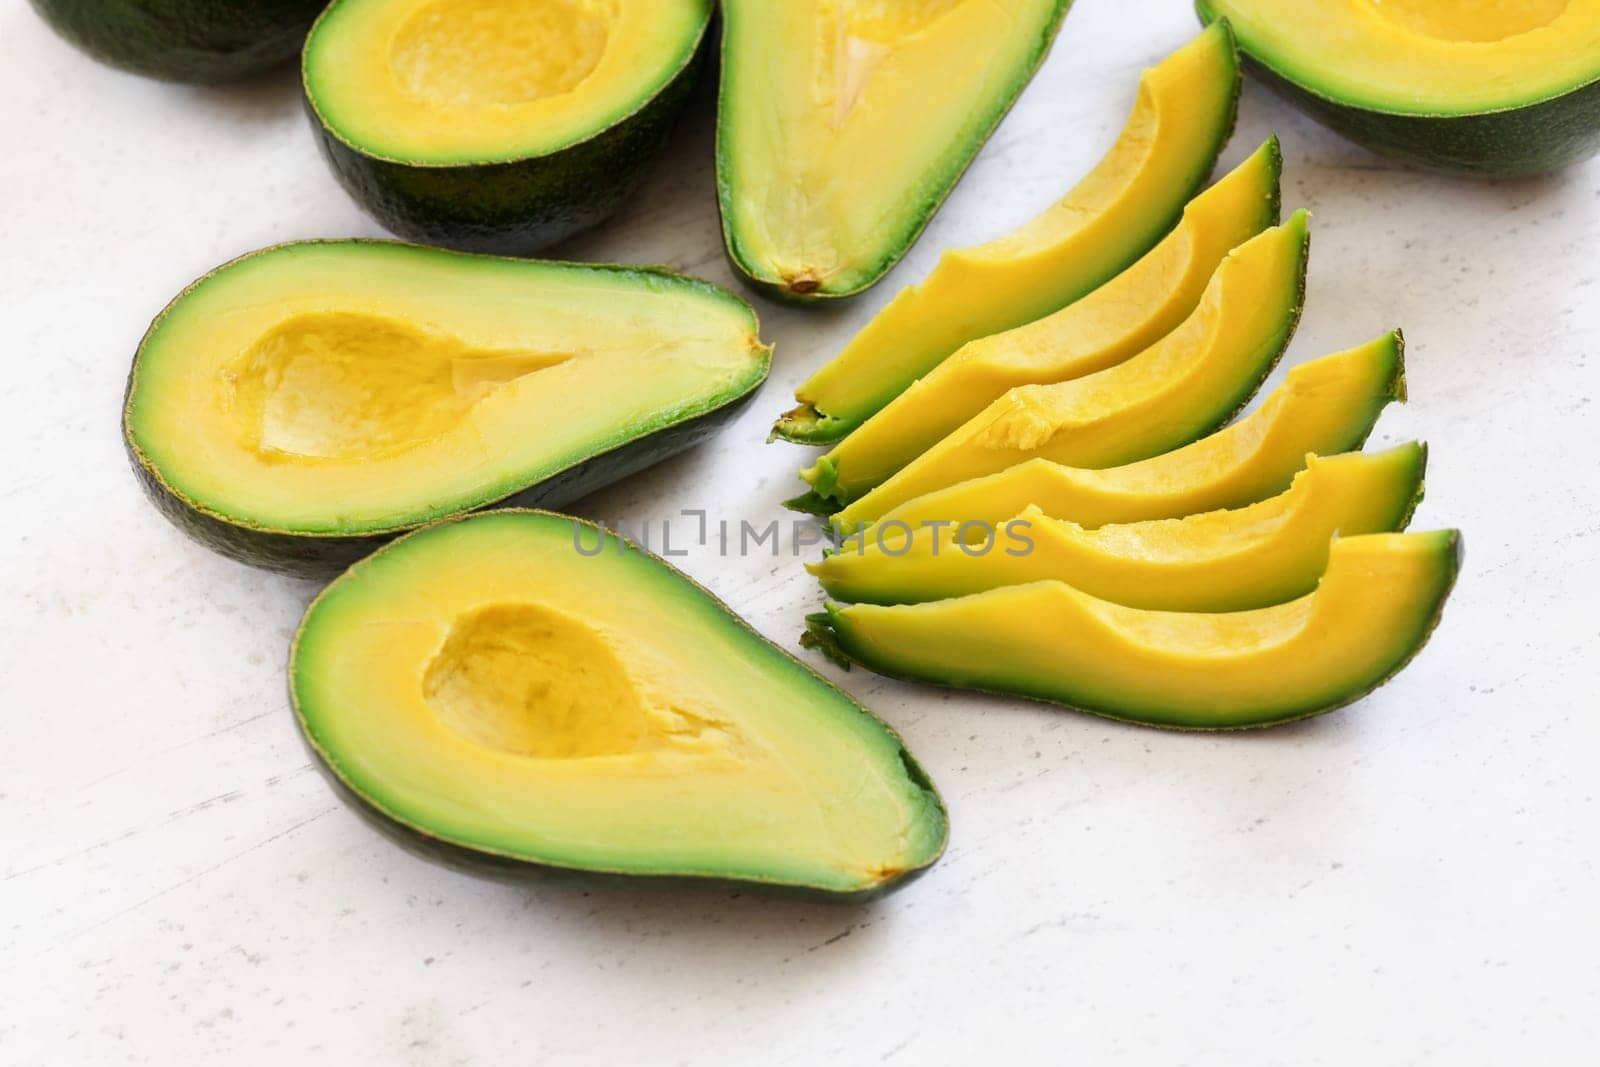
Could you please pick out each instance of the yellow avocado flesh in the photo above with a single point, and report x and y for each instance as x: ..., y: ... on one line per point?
x: 1425, y: 57
x: 490, y: 684
x: 1182, y: 116
x: 844, y: 122
x: 1179, y: 389
x: 1118, y: 320
x: 470, y: 81
x: 1371, y: 612
x: 1251, y: 557
x: 353, y: 387
x: 1324, y: 406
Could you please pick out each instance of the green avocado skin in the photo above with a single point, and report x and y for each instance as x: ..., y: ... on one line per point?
x: 518, y: 207
x: 185, y: 40
x: 1511, y: 143
x: 314, y: 556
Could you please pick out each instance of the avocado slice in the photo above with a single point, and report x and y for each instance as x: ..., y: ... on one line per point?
x: 298, y: 406
x: 526, y: 686
x: 1324, y: 406
x: 185, y: 40
x: 498, y: 125
x: 1181, y: 119
x: 1183, y: 387
x: 843, y: 125
x: 1123, y: 317
x: 1371, y: 613
x: 1250, y: 557
x: 1497, y: 89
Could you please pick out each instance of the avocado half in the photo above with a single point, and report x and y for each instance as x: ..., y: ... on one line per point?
x: 185, y: 40
x: 299, y: 406
x: 842, y: 127
x: 498, y: 126
x: 1374, y: 609
x: 526, y: 689
x: 1500, y: 90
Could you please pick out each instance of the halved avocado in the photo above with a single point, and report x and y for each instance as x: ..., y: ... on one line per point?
x: 1496, y: 88
x: 1181, y: 388
x: 1372, y: 612
x: 298, y: 406
x: 1181, y: 119
x: 1251, y: 557
x: 1123, y: 317
x: 525, y: 686
x: 1325, y: 406
x: 844, y: 124
x: 185, y: 40
x: 498, y: 125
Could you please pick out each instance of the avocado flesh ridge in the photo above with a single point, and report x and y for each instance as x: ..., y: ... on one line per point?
x: 1252, y: 557
x: 1181, y: 119
x: 349, y: 388
x: 1123, y: 317
x: 843, y: 125
x: 505, y: 684
x: 1324, y: 406
x: 1371, y: 613
x: 1186, y: 385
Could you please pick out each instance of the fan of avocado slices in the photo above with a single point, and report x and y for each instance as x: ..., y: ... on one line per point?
x: 1182, y: 117
x: 498, y: 125
x: 1500, y: 89
x: 1184, y: 386
x: 299, y: 406
x: 501, y: 691
x: 1324, y: 407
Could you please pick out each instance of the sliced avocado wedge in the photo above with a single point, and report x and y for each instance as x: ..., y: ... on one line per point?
x: 298, y: 406
x: 1123, y: 317
x: 498, y: 126
x: 1250, y: 557
x: 1372, y: 612
x: 1499, y: 89
x: 843, y: 125
x: 1181, y: 119
x: 526, y: 686
x: 185, y: 40
x: 1324, y: 406
x: 1181, y: 388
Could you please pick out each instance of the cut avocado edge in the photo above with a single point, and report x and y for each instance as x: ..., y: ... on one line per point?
x: 808, y: 292
x: 520, y: 201
x: 461, y: 854
x: 1519, y: 139
x: 321, y: 553
x: 826, y: 633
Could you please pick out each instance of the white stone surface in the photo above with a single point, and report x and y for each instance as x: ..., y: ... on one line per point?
x: 1411, y: 880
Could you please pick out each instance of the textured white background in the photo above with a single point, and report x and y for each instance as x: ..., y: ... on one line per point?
x: 1412, y: 880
